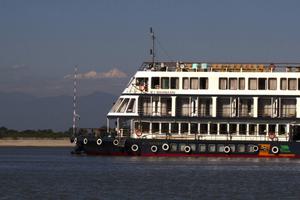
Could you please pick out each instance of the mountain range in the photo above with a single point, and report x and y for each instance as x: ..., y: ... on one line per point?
x: 23, y: 112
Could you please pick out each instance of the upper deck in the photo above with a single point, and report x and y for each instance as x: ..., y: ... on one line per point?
x: 219, y: 67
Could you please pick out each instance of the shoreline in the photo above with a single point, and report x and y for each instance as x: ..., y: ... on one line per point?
x: 36, y: 142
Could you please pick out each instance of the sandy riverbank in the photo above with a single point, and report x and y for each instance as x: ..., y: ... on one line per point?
x: 35, y: 142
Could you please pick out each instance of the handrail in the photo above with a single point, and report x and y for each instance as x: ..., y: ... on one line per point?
x: 220, y: 67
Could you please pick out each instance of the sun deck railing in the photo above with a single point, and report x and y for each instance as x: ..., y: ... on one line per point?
x: 220, y: 67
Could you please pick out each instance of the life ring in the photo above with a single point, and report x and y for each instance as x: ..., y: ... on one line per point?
x: 165, y: 147
x: 154, y: 148
x: 187, y: 149
x: 116, y: 142
x: 135, y: 147
x: 138, y: 132
x: 255, y: 148
x: 227, y: 149
x: 275, y: 150
x: 99, y: 142
x: 75, y: 140
x: 85, y: 141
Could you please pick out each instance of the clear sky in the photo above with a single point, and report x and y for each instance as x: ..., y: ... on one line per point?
x: 41, y: 41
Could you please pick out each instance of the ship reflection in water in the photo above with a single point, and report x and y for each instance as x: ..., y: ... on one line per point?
x: 52, y: 173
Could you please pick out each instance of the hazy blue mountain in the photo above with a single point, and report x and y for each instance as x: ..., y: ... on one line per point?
x: 22, y: 111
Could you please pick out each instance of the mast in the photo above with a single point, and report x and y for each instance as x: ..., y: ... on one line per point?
x: 75, y: 115
x: 152, y: 51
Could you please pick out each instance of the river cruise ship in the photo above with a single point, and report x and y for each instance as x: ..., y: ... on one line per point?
x: 203, y: 109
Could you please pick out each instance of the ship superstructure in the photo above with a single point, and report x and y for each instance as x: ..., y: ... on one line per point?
x: 203, y: 109
x: 210, y: 101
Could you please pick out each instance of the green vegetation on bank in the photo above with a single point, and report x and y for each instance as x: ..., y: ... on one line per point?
x: 46, y: 133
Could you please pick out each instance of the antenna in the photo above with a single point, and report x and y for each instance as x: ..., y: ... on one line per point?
x: 75, y: 115
x: 152, y: 51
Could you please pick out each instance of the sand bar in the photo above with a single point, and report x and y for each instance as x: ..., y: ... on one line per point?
x: 35, y: 142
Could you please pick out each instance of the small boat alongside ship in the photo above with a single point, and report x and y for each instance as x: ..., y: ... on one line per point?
x: 202, y: 109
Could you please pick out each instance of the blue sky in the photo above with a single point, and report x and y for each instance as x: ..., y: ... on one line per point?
x: 41, y: 41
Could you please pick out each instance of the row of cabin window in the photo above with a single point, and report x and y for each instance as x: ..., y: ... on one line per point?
x: 258, y: 83
x: 173, y: 127
x: 193, y: 83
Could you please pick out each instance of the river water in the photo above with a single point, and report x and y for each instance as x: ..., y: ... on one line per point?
x: 53, y: 173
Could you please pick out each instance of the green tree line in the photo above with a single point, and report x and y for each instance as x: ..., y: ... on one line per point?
x: 45, y: 133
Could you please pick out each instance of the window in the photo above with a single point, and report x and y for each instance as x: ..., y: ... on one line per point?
x: 203, y: 128
x: 241, y: 83
x: 223, y: 107
x: 288, y: 107
x: 220, y: 147
x: 165, y: 128
x: 252, y: 129
x: 174, y: 128
x: 262, y: 83
x: 194, y: 83
x: 232, y: 129
x: 223, y: 83
x: 223, y: 129
x: 262, y: 129
x: 184, y: 128
x: 185, y: 83
x: 146, y: 104
x: 292, y: 84
x: 213, y: 128
x: 123, y: 105
x: 174, y: 83
x: 166, y: 105
x: 183, y: 106
x: 131, y: 106
x: 194, y: 128
x: 265, y: 107
x: 203, y: 83
x: 242, y: 129
x: 245, y: 107
x: 233, y: 83
x: 155, y: 128
x: 145, y: 126
x: 116, y: 105
x: 211, y: 147
x: 155, y: 83
x: 205, y: 107
x: 202, y: 148
x: 165, y: 83
x: 272, y: 84
x: 283, y: 84
x: 173, y: 147
x: 281, y: 129
x: 241, y: 148
x: 252, y: 84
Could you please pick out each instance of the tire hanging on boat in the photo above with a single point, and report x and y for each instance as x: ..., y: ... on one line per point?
x: 227, y: 149
x: 165, y: 147
x: 85, y: 141
x: 134, y: 147
x: 275, y: 150
x: 99, y: 141
x: 116, y: 142
x: 154, y: 148
x: 255, y: 148
x: 75, y: 140
x: 187, y: 149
